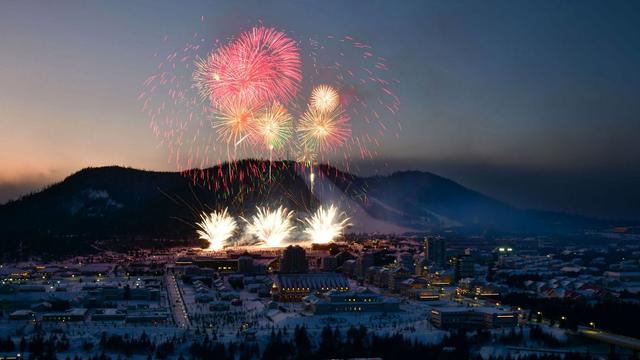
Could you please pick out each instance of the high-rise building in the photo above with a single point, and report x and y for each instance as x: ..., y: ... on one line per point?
x: 364, y: 262
x: 464, y: 267
x: 294, y: 260
x: 329, y: 263
x: 422, y: 266
x: 406, y: 261
x: 435, y: 250
x: 245, y: 264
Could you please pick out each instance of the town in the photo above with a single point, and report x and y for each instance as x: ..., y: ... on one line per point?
x: 506, y: 296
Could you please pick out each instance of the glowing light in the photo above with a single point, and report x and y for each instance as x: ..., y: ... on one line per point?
x: 324, y: 98
x: 273, y: 126
x: 216, y: 228
x: 270, y: 227
x: 261, y: 66
x: 320, y: 130
x: 326, y: 224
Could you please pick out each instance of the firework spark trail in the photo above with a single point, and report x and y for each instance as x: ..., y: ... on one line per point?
x: 235, y: 122
x: 272, y: 228
x: 325, y: 225
x: 216, y: 228
x: 322, y: 131
x: 273, y: 126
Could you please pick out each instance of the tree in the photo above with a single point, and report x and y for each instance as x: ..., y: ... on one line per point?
x: 302, y: 343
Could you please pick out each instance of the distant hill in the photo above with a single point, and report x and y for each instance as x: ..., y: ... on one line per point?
x: 423, y: 200
x: 137, y: 206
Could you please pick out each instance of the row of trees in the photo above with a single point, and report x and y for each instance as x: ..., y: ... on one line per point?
x: 357, y: 342
x: 37, y: 346
x: 620, y: 317
x: 142, y: 345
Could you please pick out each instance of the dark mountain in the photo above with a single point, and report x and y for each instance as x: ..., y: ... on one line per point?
x: 136, y: 206
x: 422, y: 200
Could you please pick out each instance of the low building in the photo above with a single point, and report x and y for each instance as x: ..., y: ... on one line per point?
x: 22, y: 315
x: 110, y: 292
x: 452, y: 317
x: 223, y: 265
x: 423, y: 294
x: 96, y: 269
x: 293, y: 287
x: 350, y: 301
x: 219, y: 306
x: 76, y: 314
x: 147, y: 317
x: 108, y: 315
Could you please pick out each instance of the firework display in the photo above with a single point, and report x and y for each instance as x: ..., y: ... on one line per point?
x: 264, y: 93
x: 324, y: 98
x: 273, y: 126
x: 267, y: 95
x: 216, y: 228
x: 271, y: 227
x: 235, y: 122
x: 262, y: 65
x: 325, y: 225
x: 323, y: 130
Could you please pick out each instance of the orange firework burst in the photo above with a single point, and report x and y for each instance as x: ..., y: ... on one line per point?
x: 273, y: 126
x: 324, y: 98
x: 320, y: 130
x: 235, y: 123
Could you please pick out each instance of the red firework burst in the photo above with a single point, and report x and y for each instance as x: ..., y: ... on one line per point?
x: 261, y: 66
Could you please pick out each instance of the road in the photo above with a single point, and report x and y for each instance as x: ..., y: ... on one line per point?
x: 176, y: 304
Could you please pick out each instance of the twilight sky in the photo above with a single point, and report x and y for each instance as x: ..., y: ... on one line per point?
x: 534, y: 102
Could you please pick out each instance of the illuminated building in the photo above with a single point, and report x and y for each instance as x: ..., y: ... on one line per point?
x: 350, y: 301
x: 472, y: 318
x: 293, y: 287
x: 78, y: 314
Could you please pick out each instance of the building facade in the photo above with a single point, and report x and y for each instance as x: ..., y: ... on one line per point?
x: 350, y: 301
x: 294, y: 260
x: 435, y: 250
x: 472, y: 318
x: 294, y: 287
